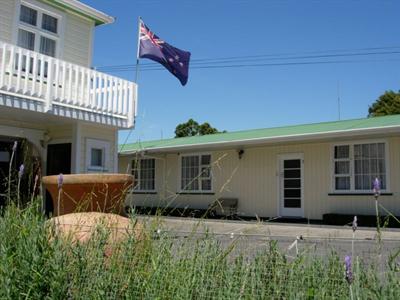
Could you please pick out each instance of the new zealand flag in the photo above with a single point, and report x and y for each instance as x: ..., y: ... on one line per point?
x: 173, y: 59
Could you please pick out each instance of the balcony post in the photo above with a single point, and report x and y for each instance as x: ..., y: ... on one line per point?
x: 132, y: 104
x: 49, y: 90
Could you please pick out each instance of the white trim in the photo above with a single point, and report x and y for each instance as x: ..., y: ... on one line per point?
x: 352, y: 172
x: 97, y: 144
x: 290, y: 212
x: 87, y: 10
x: 180, y: 173
x: 277, y: 139
x: 91, y: 45
x: 116, y: 166
x: 76, y: 158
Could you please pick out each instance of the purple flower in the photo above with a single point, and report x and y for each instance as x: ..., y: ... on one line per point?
x: 21, y: 171
x: 354, y: 224
x: 349, y: 273
x: 14, y: 148
x: 376, y: 186
x: 60, y: 180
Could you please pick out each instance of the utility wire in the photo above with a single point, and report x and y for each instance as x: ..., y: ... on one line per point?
x: 260, y: 58
x: 268, y: 64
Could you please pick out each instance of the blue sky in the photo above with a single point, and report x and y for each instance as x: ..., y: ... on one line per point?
x: 253, y: 97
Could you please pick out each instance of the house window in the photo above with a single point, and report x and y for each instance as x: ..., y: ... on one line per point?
x: 97, y: 155
x: 37, y: 30
x: 143, y: 171
x: 196, y: 173
x: 28, y: 15
x: 96, y: 159
x: 49, y: 23
x: 357, y: 165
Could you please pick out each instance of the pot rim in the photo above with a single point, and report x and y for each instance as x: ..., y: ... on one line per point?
x: 91, y: 178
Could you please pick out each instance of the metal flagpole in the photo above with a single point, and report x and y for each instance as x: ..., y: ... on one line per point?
x: 137, y: 53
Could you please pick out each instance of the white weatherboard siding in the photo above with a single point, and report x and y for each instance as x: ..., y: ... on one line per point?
x: 76, y: 32
x: 101, y: 134
x: 7, y: 14
x: 78, y: 40
x: 254, y: 181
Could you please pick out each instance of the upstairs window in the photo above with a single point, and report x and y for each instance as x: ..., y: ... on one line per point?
x: 49, y: 23
x: 38, y: 30
x: 357, y: 165
x: 143, y: 171
x: 28, y: 15
x: 196, y: 173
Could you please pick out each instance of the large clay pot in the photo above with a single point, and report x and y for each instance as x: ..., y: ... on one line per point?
x: 80, y: 227
x: 88, y: 193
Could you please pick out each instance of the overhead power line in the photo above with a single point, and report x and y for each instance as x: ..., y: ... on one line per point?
x: 263, y: 60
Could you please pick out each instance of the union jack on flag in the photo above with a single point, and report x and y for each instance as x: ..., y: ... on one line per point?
x: 173, y: 59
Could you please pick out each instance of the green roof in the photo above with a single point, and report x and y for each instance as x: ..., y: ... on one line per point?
x: 266, y: 133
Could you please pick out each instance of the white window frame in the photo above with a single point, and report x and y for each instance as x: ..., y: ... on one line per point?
x: 137, y: 188
x: 97, y: 144
x: 351, y: 144
x: 199, y: 178
x: 37, y: 30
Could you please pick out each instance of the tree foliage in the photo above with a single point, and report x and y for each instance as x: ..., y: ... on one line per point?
x: 386, y: 104
x: 192, y: 128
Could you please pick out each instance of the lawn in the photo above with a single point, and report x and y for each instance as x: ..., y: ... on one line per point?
x: 34, y: 264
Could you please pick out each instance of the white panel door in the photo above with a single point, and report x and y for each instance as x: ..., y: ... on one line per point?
x: 291, y: 181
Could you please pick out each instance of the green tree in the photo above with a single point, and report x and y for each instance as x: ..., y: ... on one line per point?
x: 192, y: 128
x: 386, y: 104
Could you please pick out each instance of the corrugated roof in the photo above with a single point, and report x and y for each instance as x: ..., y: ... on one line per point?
x: 266, y: 133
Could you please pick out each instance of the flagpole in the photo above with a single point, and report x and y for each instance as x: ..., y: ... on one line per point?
x: 137, y: 53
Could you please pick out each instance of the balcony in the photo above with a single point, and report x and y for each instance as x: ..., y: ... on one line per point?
x: 36, y: 82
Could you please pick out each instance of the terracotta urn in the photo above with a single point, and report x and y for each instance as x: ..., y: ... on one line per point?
x: 80, y: 228
x: 88, y: 192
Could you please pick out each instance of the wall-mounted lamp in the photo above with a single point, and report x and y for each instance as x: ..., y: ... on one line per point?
x: 240, y: 153
x: 46, y: 139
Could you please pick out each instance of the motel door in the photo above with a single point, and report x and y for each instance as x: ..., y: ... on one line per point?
x: 291, y: 202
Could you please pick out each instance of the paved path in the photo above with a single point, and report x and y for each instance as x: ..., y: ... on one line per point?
x: 266, y: 229
x: 252, y: 237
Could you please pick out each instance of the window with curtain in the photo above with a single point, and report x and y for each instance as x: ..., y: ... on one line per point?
x: 28, y: 15
x: 143, y: 171
x: 196, y: 173
x: 38, y: 31
x: 26, y: 39
x: 47, y: 46
x: 49, y: 23
x: 357, y: 165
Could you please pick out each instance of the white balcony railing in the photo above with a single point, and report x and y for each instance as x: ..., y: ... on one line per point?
x: 54, y: 82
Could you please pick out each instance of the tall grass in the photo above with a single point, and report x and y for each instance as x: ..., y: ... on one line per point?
x: 35, y: 265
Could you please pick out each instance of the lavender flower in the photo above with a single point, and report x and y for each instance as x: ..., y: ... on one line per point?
x: 60, y: 180
x: 354, y: 224
x: 349, y: 273
x: 14, y: 148
x: 21, y: 171
x: 376, y: 186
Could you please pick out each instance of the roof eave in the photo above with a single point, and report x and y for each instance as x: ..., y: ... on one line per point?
x: 271, y: 140
x: 97, y: 16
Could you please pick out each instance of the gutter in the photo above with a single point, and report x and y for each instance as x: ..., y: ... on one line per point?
x: 84, y: 10
x: 271, y: 140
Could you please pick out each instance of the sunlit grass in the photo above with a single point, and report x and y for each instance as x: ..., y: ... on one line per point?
x: 35, y: 266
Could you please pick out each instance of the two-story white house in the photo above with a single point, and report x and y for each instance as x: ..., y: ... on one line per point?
x: 51, y: 101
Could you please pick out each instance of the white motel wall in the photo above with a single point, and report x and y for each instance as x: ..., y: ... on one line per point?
x: 255, y: 179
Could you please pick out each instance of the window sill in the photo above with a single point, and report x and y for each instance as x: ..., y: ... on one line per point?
x: 97, y: 169
x: 144, y: 192
x: 358, y: 194
x: 195, y: 193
